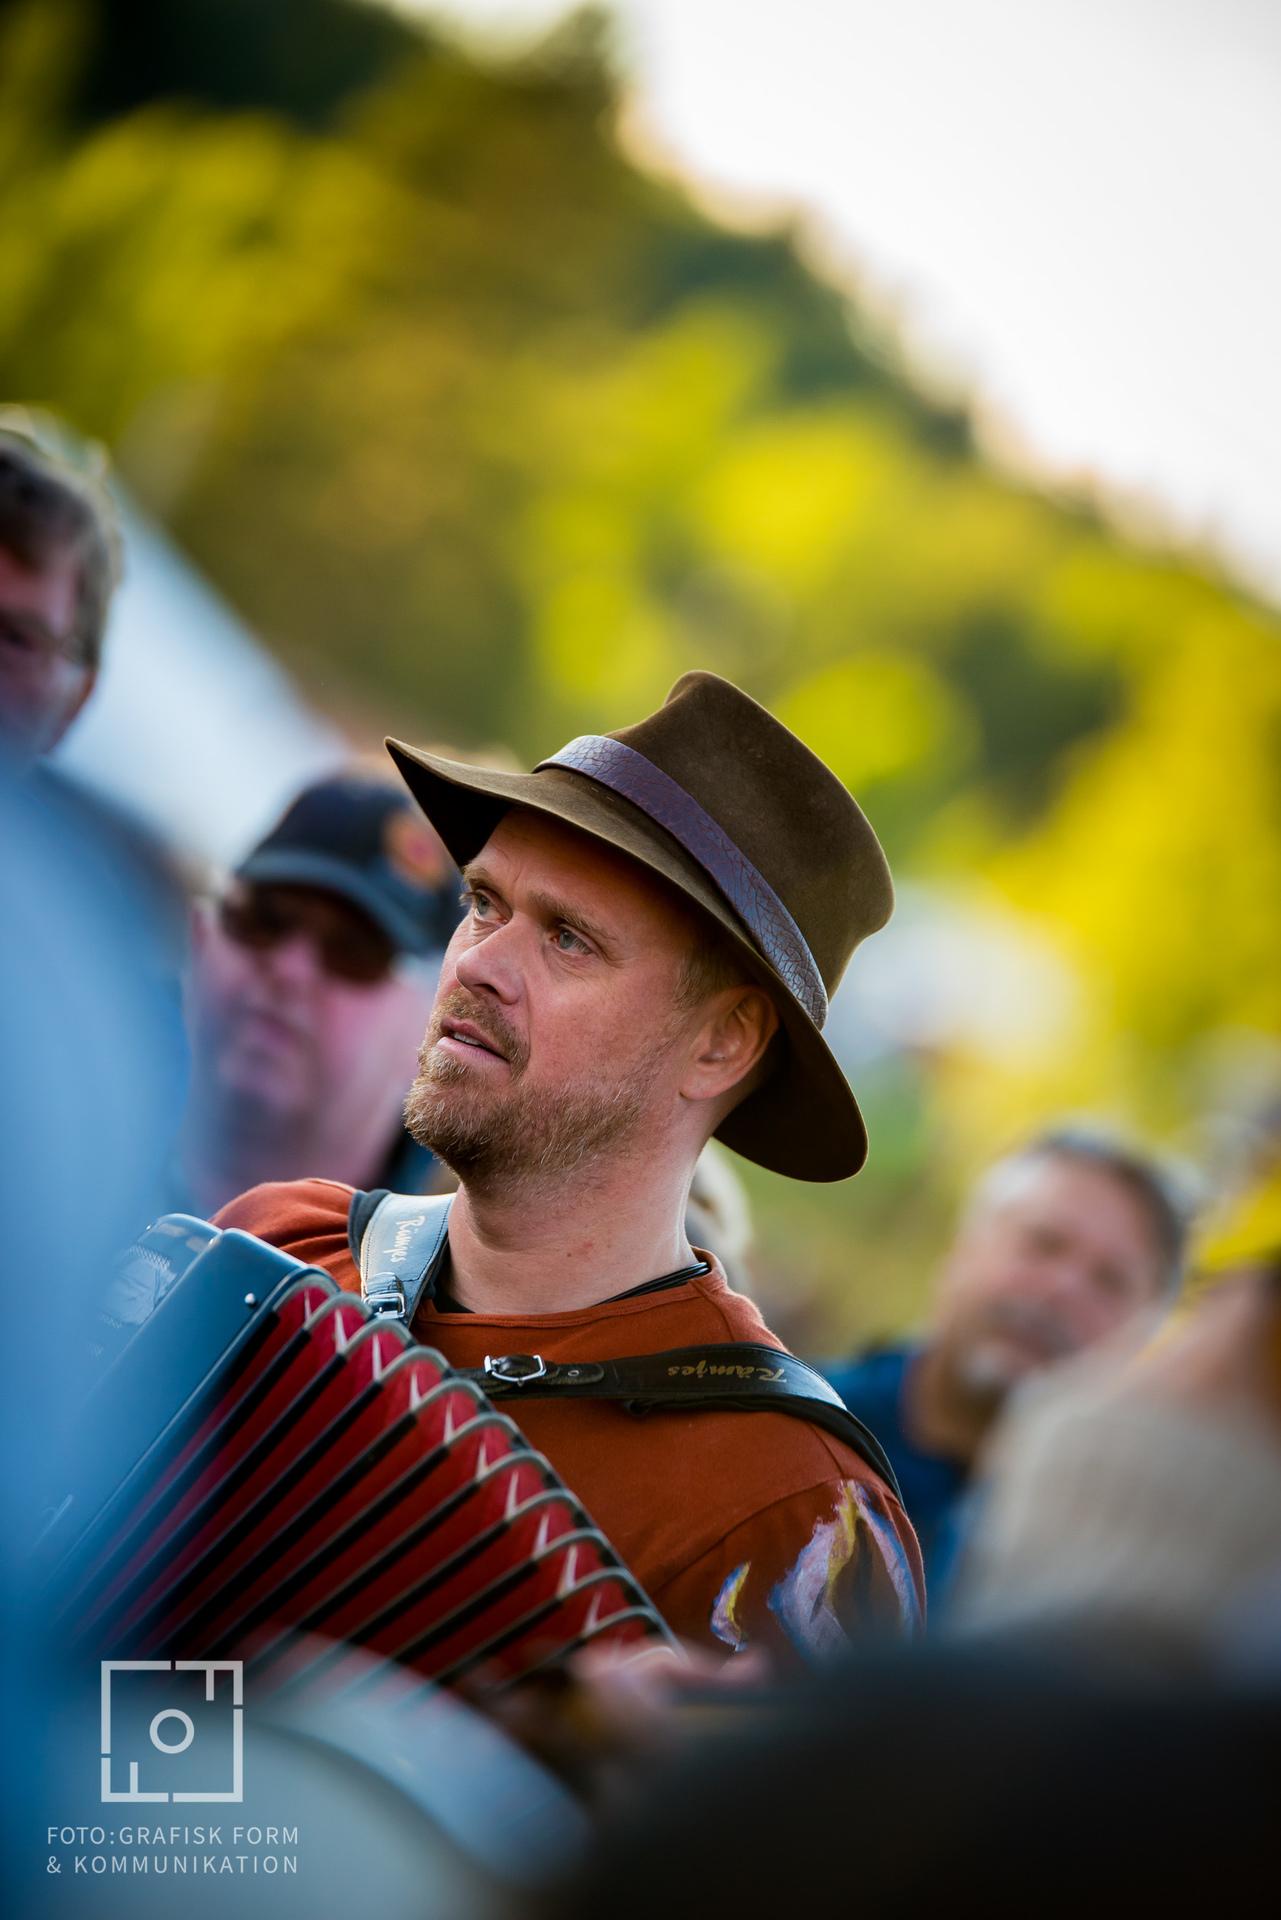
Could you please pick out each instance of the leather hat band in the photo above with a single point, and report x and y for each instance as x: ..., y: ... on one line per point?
x: 624, y: 771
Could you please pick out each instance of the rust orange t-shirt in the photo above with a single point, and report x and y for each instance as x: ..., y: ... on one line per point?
x: 746, y: 1529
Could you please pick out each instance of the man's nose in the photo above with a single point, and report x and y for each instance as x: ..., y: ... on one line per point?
x: 493, y: 965
x: 1062, y: 1282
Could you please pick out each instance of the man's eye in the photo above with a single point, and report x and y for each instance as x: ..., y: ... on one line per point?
x: 476, y: 903
x: 568, y: 941
x: 17, y: 638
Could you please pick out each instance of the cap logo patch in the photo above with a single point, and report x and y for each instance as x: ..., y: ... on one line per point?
x: 413, y: 852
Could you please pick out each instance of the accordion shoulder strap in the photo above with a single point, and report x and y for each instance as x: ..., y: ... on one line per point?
x: 399, y: 1240
x: 736, y: 1376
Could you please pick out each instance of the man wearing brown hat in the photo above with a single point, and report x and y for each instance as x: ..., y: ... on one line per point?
x: 653, y: 923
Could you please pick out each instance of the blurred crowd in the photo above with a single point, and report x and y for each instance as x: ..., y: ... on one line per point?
x: 1085, y: 1434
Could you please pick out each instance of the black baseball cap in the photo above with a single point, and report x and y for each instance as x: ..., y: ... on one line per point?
x: 366, y: 841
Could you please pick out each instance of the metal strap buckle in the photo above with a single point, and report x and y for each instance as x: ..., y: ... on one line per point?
x: 514, y: 1369
x: 383, y: 1295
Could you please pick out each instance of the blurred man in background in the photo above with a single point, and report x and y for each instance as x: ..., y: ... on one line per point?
x: 311, y: 980
x: 60, y: 562
x: 1084, y: 1531
x: 1062, y: 1243
x: 58, y: 565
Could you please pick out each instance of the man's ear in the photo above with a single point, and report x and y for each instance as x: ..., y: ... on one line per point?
x: 730, y: 1043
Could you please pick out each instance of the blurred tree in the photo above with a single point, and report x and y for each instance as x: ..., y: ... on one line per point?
x: 300, y: 58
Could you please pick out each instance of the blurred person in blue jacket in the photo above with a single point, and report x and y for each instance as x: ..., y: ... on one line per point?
x: 312, y: 975
x: 1062, y: 1243
x: 88, y: 1097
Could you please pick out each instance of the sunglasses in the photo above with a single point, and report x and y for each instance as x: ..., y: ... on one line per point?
x: 351, y: 948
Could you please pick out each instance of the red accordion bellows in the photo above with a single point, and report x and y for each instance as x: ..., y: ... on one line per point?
x: 326, y: 1476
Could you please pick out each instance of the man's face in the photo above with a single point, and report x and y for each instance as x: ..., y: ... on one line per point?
x: 1055, y: 1261
x: 278, y: 1031
x: 553, y: 1038
x: 43, y: 680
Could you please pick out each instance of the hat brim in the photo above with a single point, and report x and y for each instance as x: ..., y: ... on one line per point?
x: 804, y: 1121
x: 287, y: 868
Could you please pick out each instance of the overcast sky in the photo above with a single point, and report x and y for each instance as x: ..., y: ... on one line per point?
x: 1073, y: 205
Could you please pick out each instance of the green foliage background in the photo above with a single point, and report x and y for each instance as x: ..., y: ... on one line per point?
x: 492, y: 434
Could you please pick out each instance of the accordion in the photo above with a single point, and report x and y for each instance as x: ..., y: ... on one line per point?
x: 271, y: 1472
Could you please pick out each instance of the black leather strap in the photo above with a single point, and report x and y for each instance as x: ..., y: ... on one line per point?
x: 737, y: 1377
x: 360, y: 1211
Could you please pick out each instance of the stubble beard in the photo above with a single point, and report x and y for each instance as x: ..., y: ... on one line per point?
x: 514, y: 1136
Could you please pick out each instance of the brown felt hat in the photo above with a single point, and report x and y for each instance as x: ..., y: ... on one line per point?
x: 714, y: 794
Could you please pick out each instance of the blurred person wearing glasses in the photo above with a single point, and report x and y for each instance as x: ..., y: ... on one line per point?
x: 59, y: 561
x: 310, y: 983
